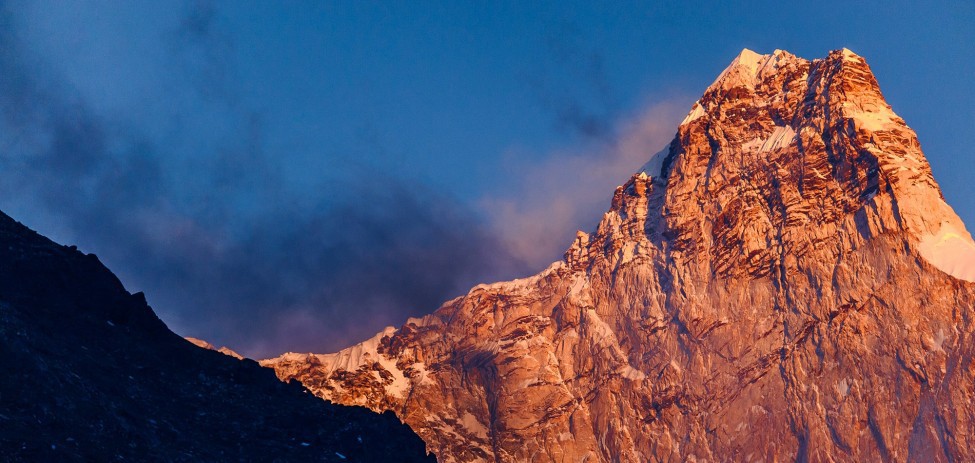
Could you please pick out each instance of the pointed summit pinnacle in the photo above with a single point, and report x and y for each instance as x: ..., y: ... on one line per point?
x: 747, y: 55
x: 746, y: 69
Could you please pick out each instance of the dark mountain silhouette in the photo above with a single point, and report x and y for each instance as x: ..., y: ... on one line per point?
x: 89, y: 373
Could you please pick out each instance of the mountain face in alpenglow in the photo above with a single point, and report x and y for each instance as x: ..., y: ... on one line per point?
x: 88, y: 373
x: 784, y: 283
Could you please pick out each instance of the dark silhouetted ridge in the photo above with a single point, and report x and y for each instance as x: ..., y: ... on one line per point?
x: 89, y: 373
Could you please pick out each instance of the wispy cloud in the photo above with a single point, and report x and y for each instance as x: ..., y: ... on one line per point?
x: 203, y: 216
x: 558, y: 192
x: 570, y: 189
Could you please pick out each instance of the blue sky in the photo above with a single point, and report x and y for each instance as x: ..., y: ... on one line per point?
x: 297, y: 175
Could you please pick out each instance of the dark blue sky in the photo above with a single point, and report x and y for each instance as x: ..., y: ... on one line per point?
x: 296, y: 176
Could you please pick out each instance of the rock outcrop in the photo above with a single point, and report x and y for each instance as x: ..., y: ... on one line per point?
x: 784, y: 282
x: 88, y: 373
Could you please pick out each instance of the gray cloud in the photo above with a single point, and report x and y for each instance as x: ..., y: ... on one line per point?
x: 571, y: 83
x: 202, y: 215
x: 222, y: 247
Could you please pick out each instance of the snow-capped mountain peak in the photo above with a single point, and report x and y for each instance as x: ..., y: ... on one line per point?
x: 784, y: 281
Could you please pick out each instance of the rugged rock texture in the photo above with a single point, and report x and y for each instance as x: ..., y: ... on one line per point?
x: 88, y: 373
x: 778, y: 285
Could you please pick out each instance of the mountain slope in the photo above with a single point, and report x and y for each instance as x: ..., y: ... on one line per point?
x: 784, y: 282
x: 90, y: 374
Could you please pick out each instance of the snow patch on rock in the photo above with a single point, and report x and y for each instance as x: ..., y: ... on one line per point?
x: 842, y: 388
x: 471, y: 423
x: 654, y: 166
x: 742, y: 70
x: 951, y: 250
x: 521, y: 285
x: 364, y: 353
x: 871, y: 115
x: 781, y: 137
x: 748, y: 67
x: 696, y: 112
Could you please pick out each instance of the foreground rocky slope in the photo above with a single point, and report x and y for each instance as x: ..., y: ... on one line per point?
x: 90, y: 374
x: 784, y: 282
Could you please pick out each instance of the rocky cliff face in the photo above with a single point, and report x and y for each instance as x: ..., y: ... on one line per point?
x: 784, y: 282
x: 88, y: 373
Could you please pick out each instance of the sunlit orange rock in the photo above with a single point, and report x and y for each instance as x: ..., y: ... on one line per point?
x: 783, y: 283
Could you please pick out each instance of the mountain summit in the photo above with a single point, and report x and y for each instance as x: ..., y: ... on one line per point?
x: 784, y: 282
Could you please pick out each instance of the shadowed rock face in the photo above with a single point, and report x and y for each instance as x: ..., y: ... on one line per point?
x: 88, y: 373
x: 784, y: 282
